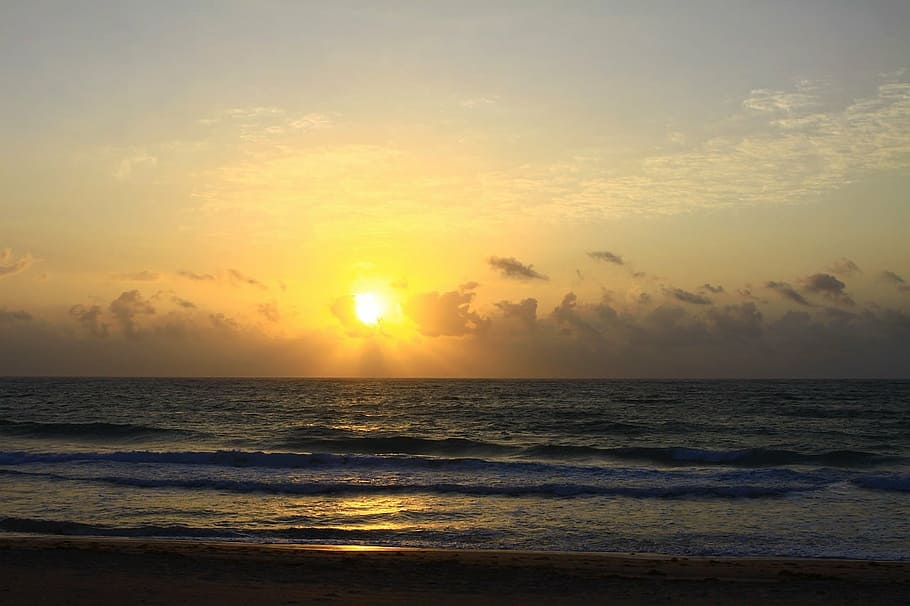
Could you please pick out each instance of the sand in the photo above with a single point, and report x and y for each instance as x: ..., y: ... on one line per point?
x: 54, y: 570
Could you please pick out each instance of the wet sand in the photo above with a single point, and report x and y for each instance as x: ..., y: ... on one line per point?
x: 56, y: 570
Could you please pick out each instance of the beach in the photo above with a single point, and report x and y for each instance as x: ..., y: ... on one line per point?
x: 53, y: 570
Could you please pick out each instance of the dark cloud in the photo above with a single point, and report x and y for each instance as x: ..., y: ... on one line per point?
x: 11, y: 265
x: 568, y: 314
x: 191, y: 275
x: 510, y: 267
x: 14, y: 316
x: 606, y: 256
x: 828, y: 286
x: 844, y: 267
x: 578, y: 339
x: 788, y: 292
x: 525, y: 311
x: 223, y: 322
x: 139, y: 276
x: 737, y: 321
x: 127, y: 309
x: 839, y: 314
x: 469, y: 286
x: 686, y: 296
x: 90, y: 318
x: 238, y: 278
x: 712, y: 289
x: 183, y: 302
x: 896, y: 280
x: 746, y: 293
x: 893, y: 278
x: 269, y: 311
x: 445, y: 315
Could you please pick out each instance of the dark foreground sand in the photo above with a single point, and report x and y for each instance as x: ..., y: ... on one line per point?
x: 111, y: 571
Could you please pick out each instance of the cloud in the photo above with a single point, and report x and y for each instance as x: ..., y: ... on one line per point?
x: 190, y: 275
x: 445, y: 315
x: 127, y: 309
x: 223, y: 323
x: 787, y: 292
x: 571, y: 317
x: 607, y: 256
x: 896, y: 280
x: 844, y: 267
x: 11, y: 265
x: 524, y: 311
x: 578, y: 339
x: 475, y: 102
x: 90, y: 318
x: 264, y: 125
x: 134, y: 162
x: 737, y: 321
x: 232, y: 276
x: 14, y: 316
x: 269, y: 311
x: 828, y: 286
x: 139, y: 276
x: 510, y: 267
x: 778, y: 147
x: 893, y: 278
x: 746, y: 293
x: 183, y: 302
x: 712, y: 289
x: 238, y: 278
x: 686, y: 296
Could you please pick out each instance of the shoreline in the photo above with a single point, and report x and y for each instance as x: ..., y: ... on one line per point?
x: 87, y: 570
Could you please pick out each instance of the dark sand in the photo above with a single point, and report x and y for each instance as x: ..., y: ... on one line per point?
x: 110, y: 571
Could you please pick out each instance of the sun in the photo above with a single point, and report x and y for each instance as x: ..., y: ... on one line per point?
x: 369, y: 307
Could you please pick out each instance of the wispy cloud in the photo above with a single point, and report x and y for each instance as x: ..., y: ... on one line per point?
x: 607, y: 256
x: 827, y: 286
x: 787, y: 292
x: 11, y: 264
x: 138, y: 276
x: 510, y: 267
x: 844, y: 267
x: 480, y: 101
x: 780, y: 147
x: 686, y: 296
x: 196, y: 277
x: 14, y: 316
x: 237, y: 277
x: 892, y: 278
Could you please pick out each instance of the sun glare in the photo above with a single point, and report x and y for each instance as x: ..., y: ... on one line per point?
x: 369, y: 307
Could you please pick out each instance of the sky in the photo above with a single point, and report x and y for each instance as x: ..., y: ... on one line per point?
x: 455, y: 189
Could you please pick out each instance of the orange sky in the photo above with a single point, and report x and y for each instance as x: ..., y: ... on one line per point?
x: 529, y: 189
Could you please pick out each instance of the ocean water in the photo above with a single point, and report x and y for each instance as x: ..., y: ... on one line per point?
x: 759, y: 468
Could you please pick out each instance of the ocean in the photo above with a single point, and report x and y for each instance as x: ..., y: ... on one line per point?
x: 754, y: 468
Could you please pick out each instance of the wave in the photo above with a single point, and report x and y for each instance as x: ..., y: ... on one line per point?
x: 85, y: 430
x: 180, y: 531
x: 270, y: 460
x: 545, y: 457
x: 889, y: 483
x: 462, y: 447
x: 670, y: 455
x: 745, y: 457
x: 548, y: 489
